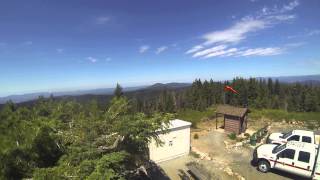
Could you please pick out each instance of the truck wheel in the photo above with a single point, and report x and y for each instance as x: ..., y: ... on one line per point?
x: 263, y: 166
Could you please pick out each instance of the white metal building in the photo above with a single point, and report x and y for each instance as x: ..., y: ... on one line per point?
x: 176, y: 142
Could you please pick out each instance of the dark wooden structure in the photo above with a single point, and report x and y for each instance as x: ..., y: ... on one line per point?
x: 234, y: 118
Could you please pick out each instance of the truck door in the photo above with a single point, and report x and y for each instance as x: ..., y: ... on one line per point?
x: 285, y: 160
x: 304, y: 164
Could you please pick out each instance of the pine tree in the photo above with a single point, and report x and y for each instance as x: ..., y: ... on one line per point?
x: 118, y: 91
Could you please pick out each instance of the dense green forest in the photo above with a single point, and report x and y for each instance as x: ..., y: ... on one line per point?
x: 61, y: 138
x: 68, y: 140
x: 253, y: 93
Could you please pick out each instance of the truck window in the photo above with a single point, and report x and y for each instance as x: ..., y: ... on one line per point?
x: 306, y: 139
x: 288, y: 153
x: 304, y: 156
x: 294, y: 138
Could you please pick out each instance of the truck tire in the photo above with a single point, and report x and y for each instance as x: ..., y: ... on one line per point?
x: 263, y: 166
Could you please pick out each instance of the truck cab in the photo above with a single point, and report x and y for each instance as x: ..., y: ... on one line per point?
x: 294, y: 135
x: 293, y: 157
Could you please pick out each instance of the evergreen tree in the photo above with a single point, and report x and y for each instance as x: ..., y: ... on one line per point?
x: 118, y: 91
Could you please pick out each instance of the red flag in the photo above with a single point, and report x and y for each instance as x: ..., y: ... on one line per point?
x: 229, y: 88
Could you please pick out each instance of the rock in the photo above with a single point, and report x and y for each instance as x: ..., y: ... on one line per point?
x: 239, y: 144
x: 228, y: 171
x: 239, y: 177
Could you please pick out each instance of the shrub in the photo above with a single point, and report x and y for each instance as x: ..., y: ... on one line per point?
x: 196, y: 136
x: 232, y: 136
x: 310, y: 126
x: 247, y: 135
x: 194, y: 154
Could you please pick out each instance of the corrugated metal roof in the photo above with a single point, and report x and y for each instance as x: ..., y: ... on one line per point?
x: 176, y: 123
x: 231, y: 110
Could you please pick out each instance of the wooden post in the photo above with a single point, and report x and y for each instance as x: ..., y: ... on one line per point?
x: 224, y: 121
x: 216, y: 121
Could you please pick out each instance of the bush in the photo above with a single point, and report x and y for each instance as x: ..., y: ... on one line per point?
x: 196, y: 136
x: 232, y: 136
x: 247, y: 135
x: 194, y: 116
x: 311, y: 126
x: 194, y: 154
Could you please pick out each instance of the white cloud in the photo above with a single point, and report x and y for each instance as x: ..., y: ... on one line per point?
x: 282, y: 17
x: 314, y: 32
x: 91, y: 59
x: 27, y: 43
x: 161, y: 49
x: 209, y: 51
x: 276, y: 10
x: 234, y: 34
x: 59, y: 50
x: 144, y: 48
x: 239, y: 31
x: 228, y: 52
x: 235, y: 52
x: 290, y: 6
x: 296, y: 44
x: 102, y: 20
x: 194, y: 49
x: 270, y: 51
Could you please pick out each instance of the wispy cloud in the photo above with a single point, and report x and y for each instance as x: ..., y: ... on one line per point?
x: 314, y: 32
x: 195, y: 49
x: 27, y: 43
x: 295, y: 44
x: 144, y: 48
x: 307, y: 33
x: 234, y: 34
x: 92, y: 59
x: 228, y: 52
x: 102, y: 20
x: 161, y: 49
x: 290, y: 6
x: 60, y: 50
x: 209, y: 51
x: 219, y: 40
x: 235, y: 52
x: 270, y: 51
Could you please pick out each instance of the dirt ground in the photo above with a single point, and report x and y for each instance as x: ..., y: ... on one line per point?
x: 231, y: 163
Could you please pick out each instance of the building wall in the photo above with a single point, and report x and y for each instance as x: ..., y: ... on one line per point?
x: 176, y: 143
x: 232, y: 124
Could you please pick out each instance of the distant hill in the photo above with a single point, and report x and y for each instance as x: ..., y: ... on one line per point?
x: 140, y: 90
x: 84, y: 94
x: 161, y: 86
x: 31, y: 96
x: 308, y: 79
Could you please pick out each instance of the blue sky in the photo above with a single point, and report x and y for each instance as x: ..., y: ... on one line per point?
x: 78, y: 44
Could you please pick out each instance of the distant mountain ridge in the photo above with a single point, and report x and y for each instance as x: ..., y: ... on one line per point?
x: 161, y: 86
x: 308, y: 79
x: 31, y: 96
x: 292, y: 79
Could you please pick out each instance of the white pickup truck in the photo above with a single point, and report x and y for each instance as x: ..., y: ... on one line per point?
x: 294, y: 157
x: 295, y: 135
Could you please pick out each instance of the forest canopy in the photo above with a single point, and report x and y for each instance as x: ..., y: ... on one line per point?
x: 65, y: 139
